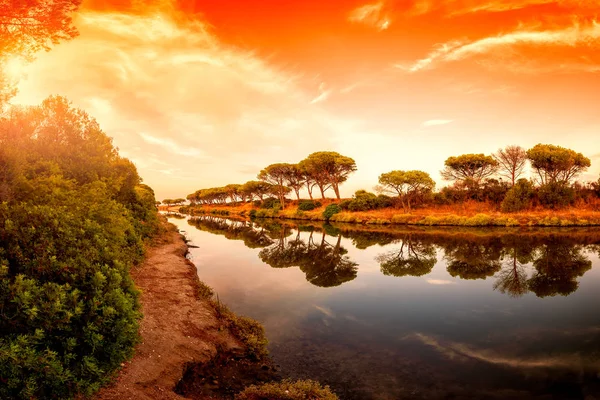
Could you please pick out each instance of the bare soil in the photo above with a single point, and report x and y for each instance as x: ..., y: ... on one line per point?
x: 178, y: 329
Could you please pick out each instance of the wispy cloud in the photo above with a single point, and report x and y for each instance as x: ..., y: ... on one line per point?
x: 166, y: 86
x: 373, y: 15
x: 454, y: 350
x: 324, y: 94
x: 456, y: 8
x: 436, y: 122
x: 170, y: 145
x: 577, y: 35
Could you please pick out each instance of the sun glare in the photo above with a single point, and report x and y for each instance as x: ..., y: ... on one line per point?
x: 13, y: 68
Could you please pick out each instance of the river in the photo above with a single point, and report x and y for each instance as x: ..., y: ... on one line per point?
x: 414, y: 313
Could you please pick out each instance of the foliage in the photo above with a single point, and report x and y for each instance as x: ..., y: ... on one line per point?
x: 556, y: 195
x: 476, y: 167
x: 328, y: 169
x: 277, y: 175
x: 409, y: 186
x: 330, y: 211
x: 518, y: 198
x: 555, y: 164
x: 71, y: 226
x: 287, y: 390
x: 308, y: 205
x: 26, y: 27
x: 270, y: 203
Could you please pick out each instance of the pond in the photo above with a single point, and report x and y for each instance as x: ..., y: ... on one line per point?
x: 415, y: 313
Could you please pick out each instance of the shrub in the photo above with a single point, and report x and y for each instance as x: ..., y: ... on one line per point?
x: 363, y: 201
x: 331, y: 210
x: 308, y: 205
x: 74, y: 224
x: 270, y: 203
x: 556, y: 195
x: 518, y: 198
x: 252, y: 213
x: 287, y: 390
x: 345, y: 204
x: 384, y: 201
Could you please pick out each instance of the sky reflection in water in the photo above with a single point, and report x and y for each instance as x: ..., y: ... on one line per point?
x: 390, y: 313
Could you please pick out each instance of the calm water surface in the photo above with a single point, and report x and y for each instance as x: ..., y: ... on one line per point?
x: 400, y: 313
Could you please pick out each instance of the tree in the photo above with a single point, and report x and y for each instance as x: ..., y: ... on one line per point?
x: 307, y: 178
x: 295, y: 179
x: 276, y: 175
x: 555, y: 164
x: 328, y: 169
x: 27, y: 27
x: 408, y: 185
x: 233, y: 191
x: 414, y: 258
x: 511, y: 162
x: 475, y: 167
x: 256, y: 189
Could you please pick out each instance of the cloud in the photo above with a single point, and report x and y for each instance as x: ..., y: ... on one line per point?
x: 587, y: 35
x: 170, y: 145
x: 436, y: 122
x: 160, y: 85
x: 457, y: 8
x: 454, y: 350
x: 373, y: 15
x: 323, y: 94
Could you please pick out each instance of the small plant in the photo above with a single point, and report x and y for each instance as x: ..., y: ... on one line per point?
x: 330, y: 211
x: 308, y: 205
x: 287, y: 390
x: 270, y: 203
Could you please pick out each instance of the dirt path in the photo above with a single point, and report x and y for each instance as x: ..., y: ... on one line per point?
x: 177, y: 327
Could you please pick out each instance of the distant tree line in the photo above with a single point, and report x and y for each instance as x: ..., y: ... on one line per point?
x: 324, y: 170
x: 497, y: 179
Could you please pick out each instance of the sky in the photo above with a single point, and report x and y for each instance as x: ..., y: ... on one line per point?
x: 204, y: 93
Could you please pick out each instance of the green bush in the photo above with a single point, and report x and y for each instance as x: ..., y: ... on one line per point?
x: 252, y: 213
x: 270, y: 203
x: 331, y: 210
x: 556, y: 195
x: 287, y: 390
x: 518, y: 198
x: 363, y: 201
x: 72, y: 223
x: 308, y: 205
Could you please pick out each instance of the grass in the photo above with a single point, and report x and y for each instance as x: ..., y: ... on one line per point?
x: 248, y: 331
x: 466, y: 214
x: 287, y: 390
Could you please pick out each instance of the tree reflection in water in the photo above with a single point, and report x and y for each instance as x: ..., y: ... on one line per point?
x: 413, y: 257
x: 324, y: 264
x: 546, y: 264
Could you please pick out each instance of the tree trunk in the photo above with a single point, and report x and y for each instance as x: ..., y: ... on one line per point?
x: 297, y: 193
x: 322, y: 192
x: 336, y: 189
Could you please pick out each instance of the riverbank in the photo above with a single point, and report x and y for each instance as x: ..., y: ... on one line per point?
x: 470, y: 214
x: 178, y: 327
x: 192, y: 346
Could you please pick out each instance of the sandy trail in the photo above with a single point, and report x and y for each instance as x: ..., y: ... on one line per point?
x: 177, y: 327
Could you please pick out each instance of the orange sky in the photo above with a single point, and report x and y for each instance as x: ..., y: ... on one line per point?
x: 206, y: 93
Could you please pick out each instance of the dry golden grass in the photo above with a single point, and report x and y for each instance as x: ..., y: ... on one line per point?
x: 466, y: 214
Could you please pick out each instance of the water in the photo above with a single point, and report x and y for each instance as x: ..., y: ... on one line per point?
x: 397, y: 313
